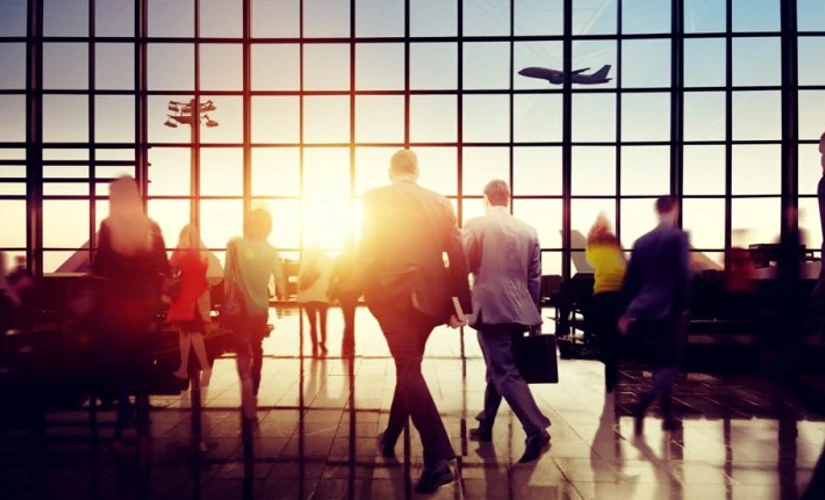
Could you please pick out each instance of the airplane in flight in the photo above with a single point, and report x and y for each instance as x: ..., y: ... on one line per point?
x: 557, y: 77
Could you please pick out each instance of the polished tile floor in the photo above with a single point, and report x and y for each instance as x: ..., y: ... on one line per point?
x: 741, y: 438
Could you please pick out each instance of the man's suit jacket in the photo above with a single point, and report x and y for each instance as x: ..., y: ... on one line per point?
x: 504, y: 256
x: 657, y: 282
x: 405, y: 234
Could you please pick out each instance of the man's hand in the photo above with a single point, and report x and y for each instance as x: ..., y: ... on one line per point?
x: 455, y: 322
x: 624, y: 325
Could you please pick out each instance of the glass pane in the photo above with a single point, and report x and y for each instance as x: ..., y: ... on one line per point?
x: 594, y: 171
x: 326, y: 67
x: 326, y: 19
x: 379, y: 18
x: 65, y: 118
x: 537, y: 171
x: 811, y: 111
x: 276, y: 120
x: 66, y: 17
x: 13, y: 124
x: 171, y: 66
x: 221, y: 172
x: 326, y: 119
x: 221, y: 18
x: 537, y: 117
x: 705, y: 62
x: 433, y: 118
x: 169, y: 171
x: 811, y: 70
x: 583, y: 214
x: 539, y: 17
x: 810, y: 168
x: 276, y: 18
x: 326, y: 210
x: 172, y: 216
x: 704, y: 170
x: 756, y: 61
x: 13, y: 60
x: 115, y: 66
x: 13, y: 224
x: 65, y: 223
x: 541, y: 54
x: 286, y: 223
x: 13, y: 17
x: 171, y: 19
x: 276, y: 67
x: 757, y: 169
x: 486, y: 118
x: 379, y: 119
x: 810, y: 15
x: 472, y: 208
x: 53, y: 261
x: 646, y: 63
x: 372, y: 168
x: 755, y: 220
x: 114, y: 118
x: 594, y: 55
x: 704, y: 220
x: 486, y: 65
x: 221, y: 220
x: 433, y: 18
x: 646, y: 117
x: 378, y: 66
x: 646, y: 170
x: 114, y: 18
x: 65, y: 66
x: 221, y: 67
x: 551, y: 264
x: 703, y: 16
x: 809, y: 223
x: 276, y: 172
x: 486, y: 17
x: 481, y: 165
x: 439, y: 169
x: 229, y: 115
x: 757, y: 115
x: 433, y: 66
x: 545, y: 216
x: 646, y: 17
x: 704, y: 116
x: 638, y: 217
x: 594, y: 117
x: 756, y: 15
x: 591, y: 17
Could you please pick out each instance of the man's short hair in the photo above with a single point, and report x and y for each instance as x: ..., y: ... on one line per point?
x: 404, y: 161
x: 258, y: 224
x: 665, y: 204
x: 497, y: 192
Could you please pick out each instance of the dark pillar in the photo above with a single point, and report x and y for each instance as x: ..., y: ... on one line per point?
x: 34, y: 138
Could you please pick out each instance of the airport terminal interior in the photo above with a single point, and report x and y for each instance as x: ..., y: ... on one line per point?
x: 583, y: 107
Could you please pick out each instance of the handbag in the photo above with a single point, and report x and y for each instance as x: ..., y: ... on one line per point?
x: 171, y: 284
x: 536, y: 358
x: 234, y: 303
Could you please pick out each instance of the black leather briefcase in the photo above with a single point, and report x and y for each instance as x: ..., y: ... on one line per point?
x: 536, y: 358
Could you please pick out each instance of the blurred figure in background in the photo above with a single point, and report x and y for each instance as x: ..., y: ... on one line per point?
x: 604, y: 253
x: 8, y: 308
x: 131, y: 260
x: 345, y: 288
x: 190, y: 310
x: 313, y: 294
x: 658, y: 288
x: 251, y: 262
x: 819, y: 289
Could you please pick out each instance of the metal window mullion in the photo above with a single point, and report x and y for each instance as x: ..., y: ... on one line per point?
x: 567, y: 119
x: 407, y: 73
x: 790, y: 118
x: 247, y: 106
x: 728, y: 127
x: 141, y: 105
x: 676, y: 103
x: 301, y: 145
x: 352, y: 53
x: 34, y: 137
x: 195, y: 168
x: 618, y: 120
x: 92, y: 136
x: 511, y: 149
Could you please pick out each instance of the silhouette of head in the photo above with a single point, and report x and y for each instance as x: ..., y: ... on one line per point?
x: 667, y: 208
x: 497, y: 193
x: 403, y: 165
x: 190, y: 237
x: 124, y: 197
x: 822, y: 150
x: 258, y: 225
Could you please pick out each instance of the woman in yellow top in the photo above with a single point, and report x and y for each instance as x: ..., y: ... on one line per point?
x: 604, y: 252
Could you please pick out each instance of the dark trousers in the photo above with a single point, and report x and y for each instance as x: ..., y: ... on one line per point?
x: 604, y: 312
x: 348, y: 305
x: 663, y: 342
x: 407, y: 330
x: 317, y: 312
x: 504, y: 379
x: 249, y: 332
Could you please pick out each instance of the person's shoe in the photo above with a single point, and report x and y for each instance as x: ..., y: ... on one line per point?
x: 434, y: 477
x: 386, y: 449
x: 482, y: 434
x: 671, y: 424
x: 181, y: 374
x: 324, y: 349
x: 534, y: 446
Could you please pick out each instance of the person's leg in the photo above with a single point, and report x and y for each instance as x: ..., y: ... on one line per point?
x: 200, y: 350
x: 312, y: 318
x: 322, y: 316
x: 185, y: 342
x: 348, y: 311
x: 244, y: 366
x: 492, y: 398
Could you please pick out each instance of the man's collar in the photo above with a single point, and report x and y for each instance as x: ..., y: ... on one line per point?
x: 499, y: 208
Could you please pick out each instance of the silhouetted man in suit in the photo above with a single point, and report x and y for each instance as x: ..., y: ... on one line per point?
x: 408, y: 287
x: 504, y: 255
x: 657, y: 285
x: 819, y: 289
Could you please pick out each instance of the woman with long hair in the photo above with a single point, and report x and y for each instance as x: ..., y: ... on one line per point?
x: 131, y: 262
x: 313, y: 294
x: 190, y: 310
x: 604, y: 252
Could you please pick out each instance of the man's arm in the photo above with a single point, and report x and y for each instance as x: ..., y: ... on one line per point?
x: 632, y: 281
x: 684, y: 275
x: 278, y: 275
x: 365, y: 255
x: 458, y: 261
x: 472, y: 247
x: 534, y: 272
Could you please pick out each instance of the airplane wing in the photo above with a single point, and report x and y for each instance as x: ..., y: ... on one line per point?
x: 576, y: 72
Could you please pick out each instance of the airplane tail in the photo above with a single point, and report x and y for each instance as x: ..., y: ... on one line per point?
x: 602, y: 73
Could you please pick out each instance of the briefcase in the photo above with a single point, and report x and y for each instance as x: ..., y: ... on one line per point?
x: 536, y: 358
